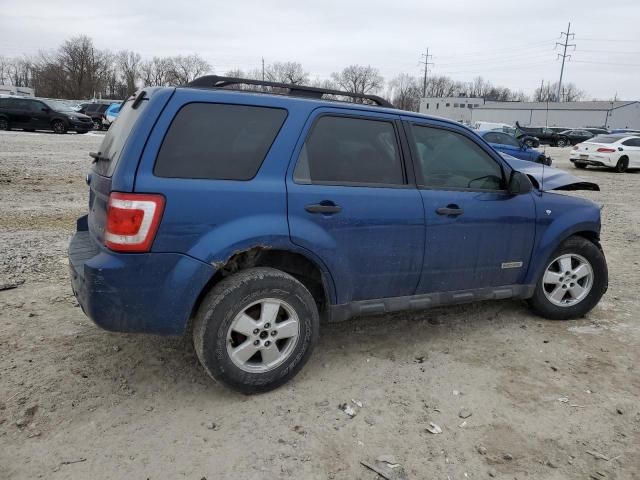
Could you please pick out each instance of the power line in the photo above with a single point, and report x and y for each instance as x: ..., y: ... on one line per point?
x: 426, y: 69
x: 567, y: 35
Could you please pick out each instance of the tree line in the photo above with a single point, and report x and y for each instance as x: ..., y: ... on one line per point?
x: 78, y: 70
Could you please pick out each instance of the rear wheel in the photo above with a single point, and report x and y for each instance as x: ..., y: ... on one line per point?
x: 573, y: 281
x: 256, y: 329
x: 59, y: 127
x: 4, y: 124
x: 622, y: 165
x: 528, y: 142
x: 561, y: 142
x: 81, y: 131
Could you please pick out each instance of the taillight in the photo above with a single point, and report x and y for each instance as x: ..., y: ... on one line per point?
x: 606, y: 150
x: 132, y: 221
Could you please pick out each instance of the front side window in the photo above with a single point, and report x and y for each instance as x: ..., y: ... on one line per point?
x: 449, y: 160
x: 350, y: 151
x: 218, y: 141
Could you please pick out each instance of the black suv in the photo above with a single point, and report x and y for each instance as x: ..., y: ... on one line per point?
x: 32, y: 114
x: 548, y: 135
x: 96, y: 112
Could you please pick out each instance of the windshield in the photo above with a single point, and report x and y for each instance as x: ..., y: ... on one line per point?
x: 604, y: 139
x: 58, y: 106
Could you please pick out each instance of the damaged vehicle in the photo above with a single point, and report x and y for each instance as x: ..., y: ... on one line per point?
x: 242, y: 218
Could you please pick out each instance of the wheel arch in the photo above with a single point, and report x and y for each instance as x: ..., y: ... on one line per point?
x: 302, y: 267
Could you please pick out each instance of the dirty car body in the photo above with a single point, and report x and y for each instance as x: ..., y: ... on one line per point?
x: 404, y: 233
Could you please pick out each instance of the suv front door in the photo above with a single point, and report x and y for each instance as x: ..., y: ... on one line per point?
x: 40, y: 114
x: 352, y: 202
x: 477, y: 234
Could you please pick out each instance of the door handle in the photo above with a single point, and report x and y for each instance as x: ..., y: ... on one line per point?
x: 453, y: 210
x: 323, y: 207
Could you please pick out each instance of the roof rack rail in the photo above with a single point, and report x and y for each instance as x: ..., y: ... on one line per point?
x: 215, y: 81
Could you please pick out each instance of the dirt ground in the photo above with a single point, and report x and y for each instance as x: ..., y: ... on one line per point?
x: 543, y: 399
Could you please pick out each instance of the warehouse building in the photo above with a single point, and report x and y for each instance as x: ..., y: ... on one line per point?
x: 453, y: 108
x: 609, y: 114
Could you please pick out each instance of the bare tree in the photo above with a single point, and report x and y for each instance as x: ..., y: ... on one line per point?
x: 442, y: 86
x: 359, y: 79
x: 184, y: 69
x: 156, y: 72
x: 129, y: 66
x: 286, y: 72
x: 405, y: 92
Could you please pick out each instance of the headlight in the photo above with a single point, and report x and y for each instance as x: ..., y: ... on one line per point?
x: 73, y: 117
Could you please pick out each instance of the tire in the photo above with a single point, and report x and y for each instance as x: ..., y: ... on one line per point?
x: 529, y: 143
x: 59, y: 127
x: 81, y: 131
x: 215, y: 337
x: 580, y: 165
x: 4, y: 124
x: 561, y: 142
x: 29, y: 129
x: 580, y: 249
x: 622, y: 165
x: 97, y: 125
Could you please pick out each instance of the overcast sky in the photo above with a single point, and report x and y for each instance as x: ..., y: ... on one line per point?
x: 508, y: 42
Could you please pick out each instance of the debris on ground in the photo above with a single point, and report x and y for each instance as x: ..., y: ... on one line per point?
x: 464, y: 413
x: 386, y: 470
x: 358, y: 403
x: 598, y: 455
x: 433, y: 428
x: 212, y: 426
x: 507, y: 456
x: 27, y: 416
x: 390, y: 460
x: 348, y: 409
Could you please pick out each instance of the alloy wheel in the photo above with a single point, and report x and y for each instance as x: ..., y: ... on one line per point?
x: 263, y: 335
x: 4, y: 124
x: 567, y: 280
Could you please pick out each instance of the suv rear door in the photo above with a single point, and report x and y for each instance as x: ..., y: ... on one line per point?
x: 477, y: 234
x: 352, y: 201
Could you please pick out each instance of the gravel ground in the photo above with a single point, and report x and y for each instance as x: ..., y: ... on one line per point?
x: 542, y: 399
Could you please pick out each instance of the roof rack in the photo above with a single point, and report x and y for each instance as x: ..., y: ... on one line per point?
x: 215, y: 81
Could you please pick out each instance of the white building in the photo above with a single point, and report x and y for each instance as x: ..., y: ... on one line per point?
x: 619, y: 114
x: 454, y: 108
x: 16, y: 91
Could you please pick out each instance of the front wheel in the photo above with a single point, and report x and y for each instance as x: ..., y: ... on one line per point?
x: 59, y: 127
x: 561, y: 142
x: 256, y: 329
x: 573, y: 281
x: 4, y: 124
x: 580, y: 165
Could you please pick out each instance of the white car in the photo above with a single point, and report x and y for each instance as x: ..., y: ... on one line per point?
x: 620, y: 151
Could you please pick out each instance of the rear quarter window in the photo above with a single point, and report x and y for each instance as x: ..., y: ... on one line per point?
x: 218, y: 141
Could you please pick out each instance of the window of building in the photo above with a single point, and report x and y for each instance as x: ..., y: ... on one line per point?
x: 350, y: 151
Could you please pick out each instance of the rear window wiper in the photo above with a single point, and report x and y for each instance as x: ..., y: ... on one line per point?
x: 98, y: 157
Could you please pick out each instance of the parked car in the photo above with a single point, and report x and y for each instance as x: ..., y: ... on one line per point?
x: 503, y: 142
x: 545, y: 134
x: 528, y: 140
x: 245, y: 217
x: 32, y: 114
x: 625, y: 130
x: 577, y: 136
x: 110, y: 114
x: 96, y: 112
x: 620, y: 151
x: 596, y: 130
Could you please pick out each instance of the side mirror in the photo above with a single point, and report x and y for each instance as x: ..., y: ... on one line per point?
x: 519, y: 183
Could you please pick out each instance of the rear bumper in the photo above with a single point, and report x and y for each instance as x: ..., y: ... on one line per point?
x: 595, y: 163
x: 145, y: 292
x: 79, y: 125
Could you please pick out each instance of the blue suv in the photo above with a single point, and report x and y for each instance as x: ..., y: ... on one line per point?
x: 243, y: 218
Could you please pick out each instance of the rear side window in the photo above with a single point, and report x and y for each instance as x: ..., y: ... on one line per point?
x: 218, y: 142
x: 604, y: 139
x: 350, y: 151
x: 116, y: 137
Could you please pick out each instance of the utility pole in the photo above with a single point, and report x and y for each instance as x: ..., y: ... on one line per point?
x: 541, y: 89
x: 262, y: 87
x: 426, y: 69
x: 567, y: 36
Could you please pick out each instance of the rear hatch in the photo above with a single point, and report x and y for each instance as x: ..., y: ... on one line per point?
x: 107, y: 158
